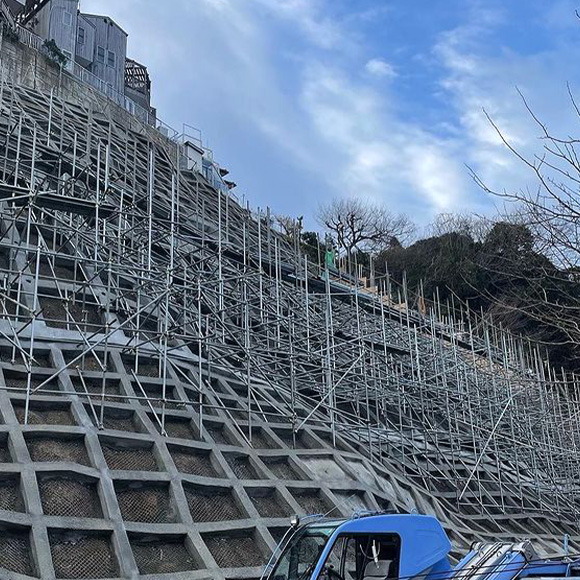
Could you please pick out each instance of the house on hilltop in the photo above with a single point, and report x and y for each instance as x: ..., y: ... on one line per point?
x: 95, y: 43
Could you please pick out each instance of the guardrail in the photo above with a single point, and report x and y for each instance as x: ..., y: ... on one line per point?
x: 29, y: 38
x: 86, y: 77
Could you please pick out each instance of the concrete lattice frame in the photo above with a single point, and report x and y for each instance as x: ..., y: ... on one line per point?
x: 176, y: 381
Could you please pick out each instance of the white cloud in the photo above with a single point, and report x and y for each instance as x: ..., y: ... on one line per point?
x: 309, y: 15
x: 341, y: 128
x: 380, y: 68
x: 380, y: 156
x: 477, y: 79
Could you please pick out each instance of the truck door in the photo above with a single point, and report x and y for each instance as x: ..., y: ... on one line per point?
x: 363, y: 557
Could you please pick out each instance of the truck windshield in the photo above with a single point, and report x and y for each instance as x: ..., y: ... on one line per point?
x: 299, y: 558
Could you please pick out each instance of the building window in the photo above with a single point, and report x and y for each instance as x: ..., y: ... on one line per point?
x: 67, y: 18
x: 111, y: 58
x: 100, y: 54
x: 81, y: 35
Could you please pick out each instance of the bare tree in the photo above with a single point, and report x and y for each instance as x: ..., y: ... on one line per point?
x: 357, y: 225
x: 474, y: 226
x: 289, y: 226
x: 551, y: 213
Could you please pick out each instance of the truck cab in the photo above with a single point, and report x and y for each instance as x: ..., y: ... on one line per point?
x: 381, y: 547
x: 403, y: 547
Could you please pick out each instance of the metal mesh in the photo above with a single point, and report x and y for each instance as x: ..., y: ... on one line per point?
x: 281, y: 468
x: 44, y: 416
x: 193, y: 462
x: 15, y: 552
x: 86, y: 313
x: 145, y: 503
x: 19, y: 380
x: 311, y: 501
x: 242, y: 467
x: 146, y: 368
x: 69, y: 497
x: 63, y: 269
x: 384, y: 504
x: 117, y: 420
x: 234, y: 551
x: 129, y: 458
x: 236, y: 409
x: 177, y: 427
x: 207, y: 402
x: 278, y: 533
x: 218, y: 386
x: 78, y: 555
x: 351, y: 501
x: 155, y: 555
x: 260, y: 440
x: 7, y: 302
x: 41, y: 357
x: 154, y: 394
x: 326, y: 436
x: 5, y: 456
x: 293, y: 441
x: 326, y: 468
x: 57, y: 449
x: 95, y: 389
x: 85, y: 316
x: 217, y: 433
x: 6, y: 354
x: 212, y: 504
x: 10, y: 496
x: 269, y: 503
x: 88, y: 362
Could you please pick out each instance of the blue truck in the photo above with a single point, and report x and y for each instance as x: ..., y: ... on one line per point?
x: 400, y: 547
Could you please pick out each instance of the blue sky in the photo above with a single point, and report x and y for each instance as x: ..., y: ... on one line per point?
x: 308, y: 100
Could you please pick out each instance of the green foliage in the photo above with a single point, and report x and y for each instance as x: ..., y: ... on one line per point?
x: 507, y: 238
x: 54, y: 53
x: 9, y: 33
x: 313, y: 247
x: 504, y: 275
x: 443, y: 262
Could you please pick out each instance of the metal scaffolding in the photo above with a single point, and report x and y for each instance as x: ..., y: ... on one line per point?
x: 153, y: 290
